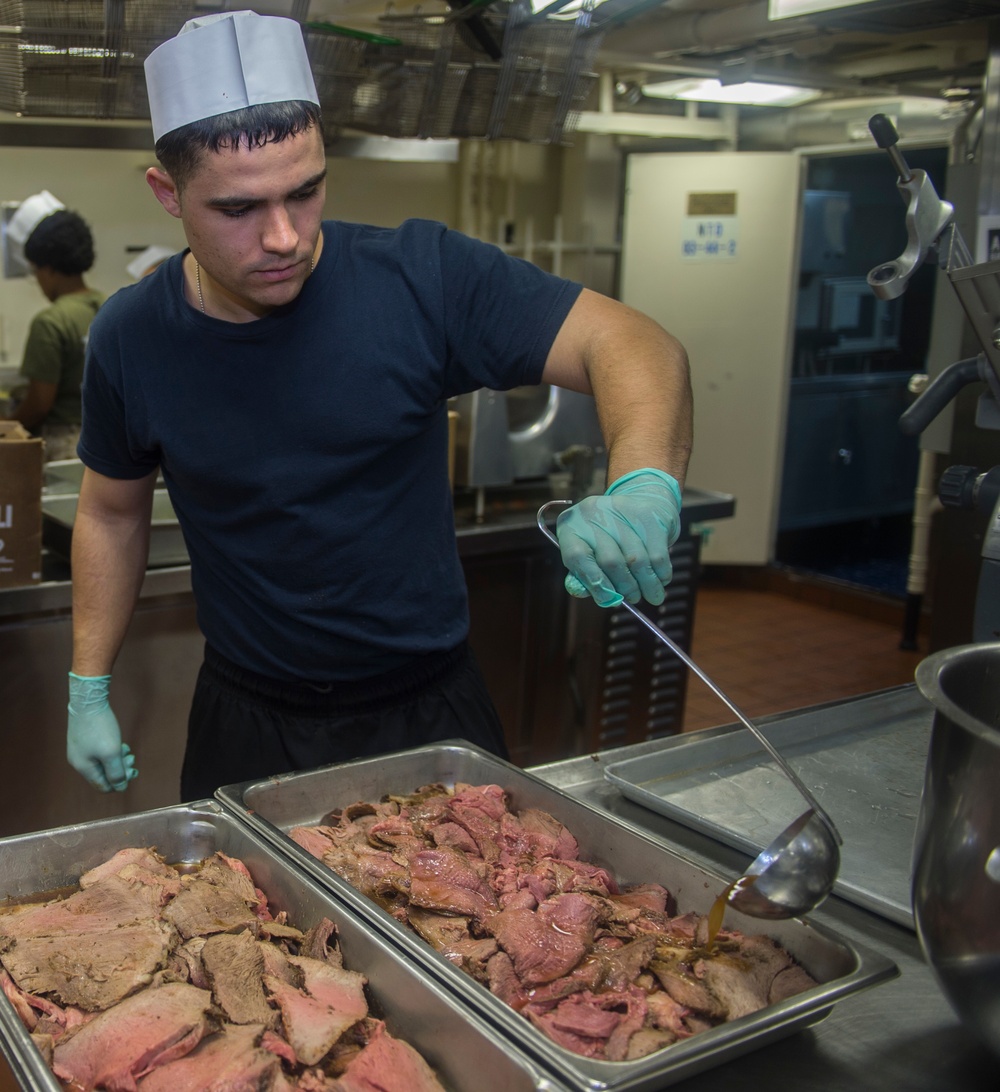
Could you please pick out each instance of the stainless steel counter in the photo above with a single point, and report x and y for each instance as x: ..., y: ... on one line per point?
x: 902, y: 1035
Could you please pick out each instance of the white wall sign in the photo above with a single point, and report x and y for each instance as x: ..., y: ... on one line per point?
x: 988, y: 241
x: 709, y: 237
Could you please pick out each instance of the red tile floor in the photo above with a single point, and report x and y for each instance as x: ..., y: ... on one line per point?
x: 771, y: 652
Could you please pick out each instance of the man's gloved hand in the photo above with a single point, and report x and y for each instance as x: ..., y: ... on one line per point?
x: 93, y: 739
x: 617, y: 546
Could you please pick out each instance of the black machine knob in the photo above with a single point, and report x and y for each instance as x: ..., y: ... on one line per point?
x: 957, y: 487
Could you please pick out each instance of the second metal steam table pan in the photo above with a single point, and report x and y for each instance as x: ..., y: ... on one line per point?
x: 273, y: 806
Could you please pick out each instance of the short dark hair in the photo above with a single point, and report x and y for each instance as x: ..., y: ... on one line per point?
x: 63, y: 242
x: 180, y: 151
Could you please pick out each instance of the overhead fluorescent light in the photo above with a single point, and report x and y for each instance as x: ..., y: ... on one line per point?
x: 789, y: 9
x: 752, y: 93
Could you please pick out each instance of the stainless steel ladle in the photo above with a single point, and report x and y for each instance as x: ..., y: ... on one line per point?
x: 796, y: 872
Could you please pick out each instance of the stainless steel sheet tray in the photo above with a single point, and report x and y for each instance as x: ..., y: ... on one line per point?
x: 274, y: 805
x: 465, y: 1051
x: 863, y: 759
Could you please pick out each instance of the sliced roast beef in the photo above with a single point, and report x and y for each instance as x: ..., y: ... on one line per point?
x: 314, y: 840
x: 534, y: 833
x: 387, y: 1064
x: 17, y: 998
x: 341, y: 989
x: 648, y: 1041
x: 396, y: 832
x: 376, y: 873
x: 90, y: 949
x: 231, y: 1061
x: 597, y: 1025
x: 503, y: 981
x: 471, y: 955
x: 622, y: 966
x: 320, y: 942
x: 137, y: 865
x: 446, y: 881
x: 686, y: 989
x: 549, y: 943
x: 454, y: 836
x: 203, y: 908
x: 104, y: 906
x: 479, y: 809
x: 789, y: 982
x: 137, y: 856
x: 135, y: 1036
x: 234, y: 965
x: 311, y: 1025
x: 647, y: 896
x: 441, y: 931
x: 574, y: 948
x: 668, y: 1014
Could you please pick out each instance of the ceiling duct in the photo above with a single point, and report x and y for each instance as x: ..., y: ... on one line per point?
x: 843, y: 123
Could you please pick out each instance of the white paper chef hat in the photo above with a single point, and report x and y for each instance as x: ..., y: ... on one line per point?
x: 217, y: 63
x: 144, y: 262
x: 29, y: 214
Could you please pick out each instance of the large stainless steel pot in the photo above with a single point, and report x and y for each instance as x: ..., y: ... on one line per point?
x: 956, y: 864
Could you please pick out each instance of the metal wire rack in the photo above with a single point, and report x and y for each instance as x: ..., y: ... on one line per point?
x: 432, y: 78
x: 81, y: 58
x: 517, y: 77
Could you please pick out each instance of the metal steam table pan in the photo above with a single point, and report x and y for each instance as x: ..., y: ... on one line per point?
x: 467, y: 1054
x: 866, y: 770
x: 274, y: 805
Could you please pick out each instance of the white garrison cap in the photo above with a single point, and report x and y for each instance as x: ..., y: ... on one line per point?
x: 144, y: 262
x: 30, y: 213
x: 223, y: 62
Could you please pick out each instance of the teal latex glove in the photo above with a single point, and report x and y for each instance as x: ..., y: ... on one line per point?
x: 616, y: 546
x: 93, y: 739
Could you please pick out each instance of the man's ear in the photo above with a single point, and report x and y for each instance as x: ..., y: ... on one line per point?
x: 165, y: 190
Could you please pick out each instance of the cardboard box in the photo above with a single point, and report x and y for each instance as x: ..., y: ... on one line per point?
x: 20, y: 506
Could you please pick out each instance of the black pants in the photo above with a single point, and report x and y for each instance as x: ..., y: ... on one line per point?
x: 245, y: 726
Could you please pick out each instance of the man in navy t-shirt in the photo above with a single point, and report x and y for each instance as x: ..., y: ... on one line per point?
x: 290, y: 378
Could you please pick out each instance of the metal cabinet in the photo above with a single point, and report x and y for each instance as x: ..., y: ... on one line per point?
x: 845, y: 458
x: 566, y: 676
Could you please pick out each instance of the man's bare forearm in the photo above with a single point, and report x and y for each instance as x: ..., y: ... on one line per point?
x: 639, y: 376
x: 109, y: 556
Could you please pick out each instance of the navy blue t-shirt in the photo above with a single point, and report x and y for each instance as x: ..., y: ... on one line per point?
x: 306, y: 452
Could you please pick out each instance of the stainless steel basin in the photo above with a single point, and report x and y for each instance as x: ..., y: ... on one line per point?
x: 956, y: 876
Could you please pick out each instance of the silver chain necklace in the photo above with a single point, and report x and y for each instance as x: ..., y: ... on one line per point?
x: 197, y: 280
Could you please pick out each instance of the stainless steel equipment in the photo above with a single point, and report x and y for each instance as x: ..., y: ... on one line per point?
x: 796, y: 871
x: 956, y: 880
x: 524, y: 434
x: 468, y: 1055
x: 60, y: 491
x: 273, y: 806
x: 931, y: 230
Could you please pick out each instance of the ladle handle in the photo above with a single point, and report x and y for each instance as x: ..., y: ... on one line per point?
x: 743, y: 719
